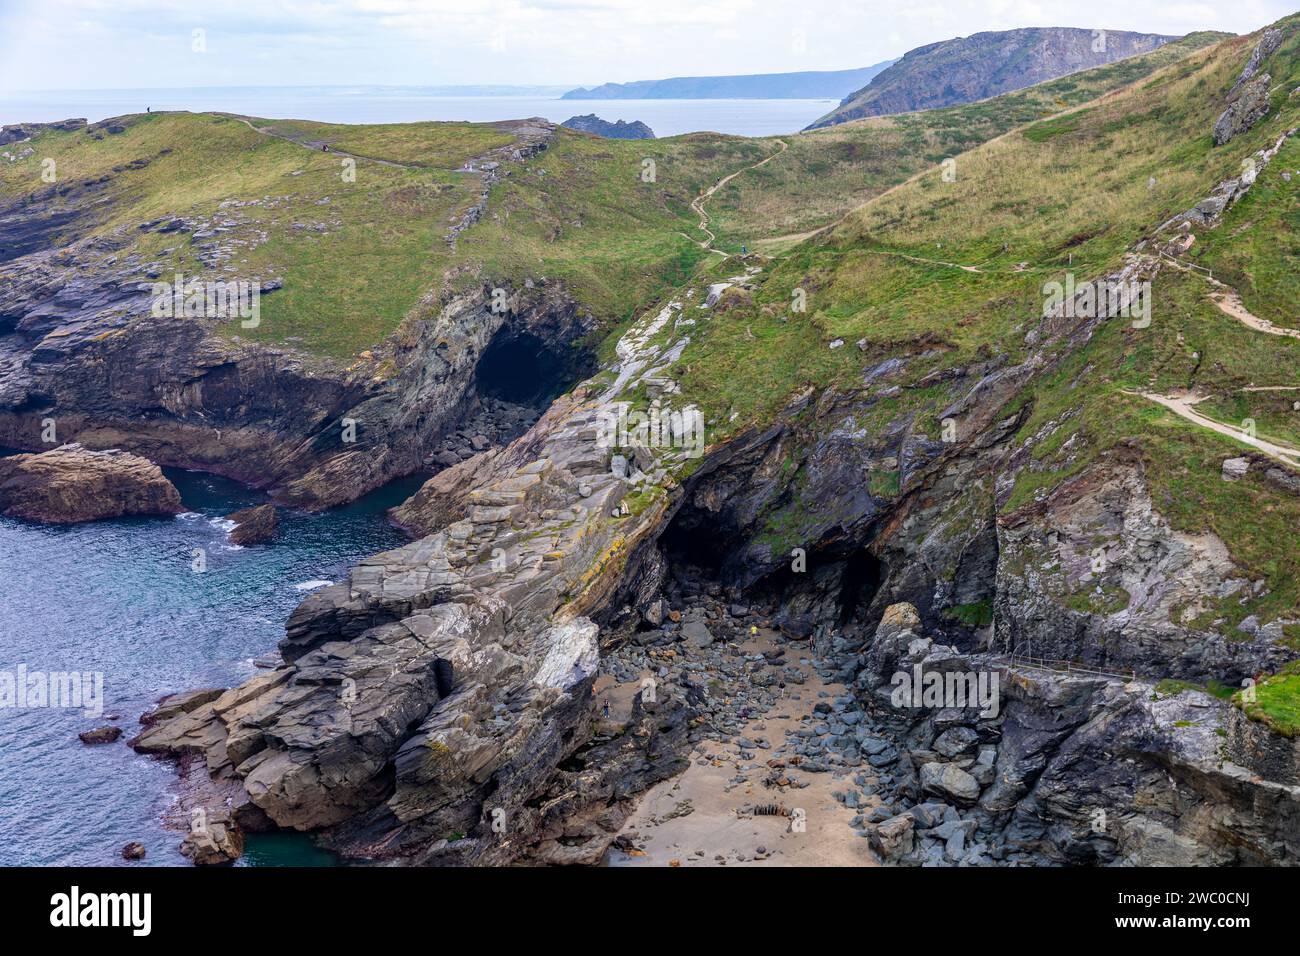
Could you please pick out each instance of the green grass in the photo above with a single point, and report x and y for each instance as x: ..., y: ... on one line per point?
x: 358, y: 258
x: 1169, y: 687
x: 976, y: 614
x: 827, y: 172
x: 1277, y: 701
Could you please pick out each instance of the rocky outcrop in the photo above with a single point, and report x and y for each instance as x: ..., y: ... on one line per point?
x: 17, y: 132
x: 1064, y: 767
x: 591, y: 123
x: 1249, y: 107
x: 428, y: 699
x: 71, y: 484
x: 214, y: 838
x: 1093, y: 574
x: 255, y: 525
x: 100, y: 735
x: 1248, y: 100
x: 79, y: 345
x: 982, y: 65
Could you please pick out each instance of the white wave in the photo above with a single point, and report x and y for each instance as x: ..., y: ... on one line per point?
x: 311, y: 585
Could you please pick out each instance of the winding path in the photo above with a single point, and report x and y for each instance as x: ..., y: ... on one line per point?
x: 1182, y: 406
x: 698, y: 202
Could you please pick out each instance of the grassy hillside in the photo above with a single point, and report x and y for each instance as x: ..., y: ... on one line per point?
x: 827, y: 172
x: 357, y: 255
x: 952, y: 272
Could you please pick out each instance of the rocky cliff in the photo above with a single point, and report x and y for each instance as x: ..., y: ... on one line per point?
x: 82, y: 347
x: 982, y: 497
x: 591, y: 123
x: 982, y: 65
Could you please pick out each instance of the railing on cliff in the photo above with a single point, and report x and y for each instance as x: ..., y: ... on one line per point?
x: 1015, y: 659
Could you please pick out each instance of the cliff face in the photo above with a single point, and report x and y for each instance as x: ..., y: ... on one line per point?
x: 934, y: 508
x: 433, y: 707
x: 82, y: 351
x: 977, y: 67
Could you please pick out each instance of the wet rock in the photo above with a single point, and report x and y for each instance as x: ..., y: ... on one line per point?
x: 72, y: 483
x: 253, y: 525
x: 133, y: 851
x: 100, y: 735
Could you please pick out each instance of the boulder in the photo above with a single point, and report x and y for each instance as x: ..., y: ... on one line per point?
x: 100, y: 735
x: 214, y: 838
x: 956, y: 741
x: 697, y: 633
x: 1234, y: 469
x: 893, y: 838
x: 253, y: 525
x: 133, y: 851
x: 948, y: 780
x: 72, y: 483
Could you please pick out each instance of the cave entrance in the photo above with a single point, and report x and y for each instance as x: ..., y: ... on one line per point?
x: 523, y: 369
x: 834, y: 589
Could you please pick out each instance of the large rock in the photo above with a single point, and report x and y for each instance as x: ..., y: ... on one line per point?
x: 253, y: 525
x: 72, y: 483
x: 949, y: 780
x: 214, y: 838
x: 893, y: 838
x: 591, y: 123
x: 1250, y: 106
x: 1266, y: 47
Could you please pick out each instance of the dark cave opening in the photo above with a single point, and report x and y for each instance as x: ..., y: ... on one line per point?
x: 829, y: 588
x: 523, y: 369
x: 862, y: 577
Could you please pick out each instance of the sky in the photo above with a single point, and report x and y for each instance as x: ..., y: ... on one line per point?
x: 129, y: 44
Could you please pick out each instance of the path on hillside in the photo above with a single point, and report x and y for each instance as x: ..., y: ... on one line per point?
x: 1181, y: 404
x: 316, y: 146
x: 698, y: 202
x: 1229, y: 302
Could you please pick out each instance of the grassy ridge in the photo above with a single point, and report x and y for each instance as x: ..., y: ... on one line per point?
x: 829, y: 171
x: 358, y: 256
x: 1071, y: 193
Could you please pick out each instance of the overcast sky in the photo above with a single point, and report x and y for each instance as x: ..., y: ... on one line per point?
x: 105, y: 44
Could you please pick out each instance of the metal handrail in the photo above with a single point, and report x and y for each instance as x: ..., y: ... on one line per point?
x: 1069, y: 667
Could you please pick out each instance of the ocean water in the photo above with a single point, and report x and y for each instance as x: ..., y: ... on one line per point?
x: 410, y: 104
x: 120, y: 598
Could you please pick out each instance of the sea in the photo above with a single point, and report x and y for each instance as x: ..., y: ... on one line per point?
x: 121, y: 600
x: 338, y: 104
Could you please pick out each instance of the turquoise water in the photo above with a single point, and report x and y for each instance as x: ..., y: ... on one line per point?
x: 120, y: 598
